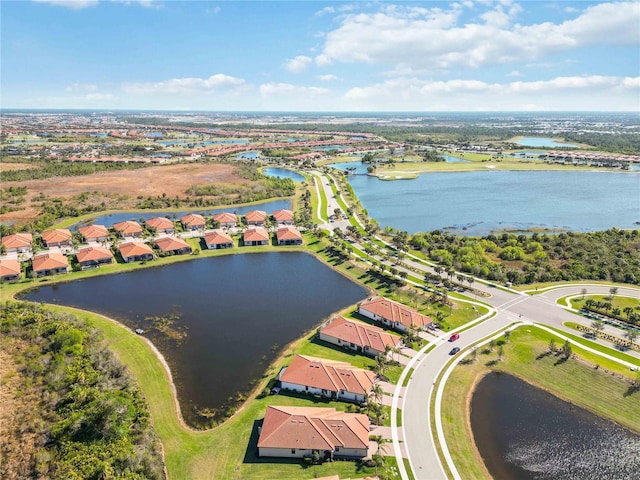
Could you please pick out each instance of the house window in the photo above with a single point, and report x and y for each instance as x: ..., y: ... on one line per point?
x: 337, y: 449
x: 293, y: 451
x: 306, y: 388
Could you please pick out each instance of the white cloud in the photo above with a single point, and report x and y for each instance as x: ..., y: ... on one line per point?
x: 75, y: 87
x: 631, y: 82
x: 287, y: 89
x: 323, y: 60
x: 514, y: 73
x: 99, y: 97
x: 298, y: 64
x: 434, y: 38
x: 188, y: 85
x: 325, y: 10
x: 72, y: 4
x: 328, y: 78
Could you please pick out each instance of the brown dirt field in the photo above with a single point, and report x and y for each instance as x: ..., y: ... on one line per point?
x: 173, y: 180
x: 5, y: 167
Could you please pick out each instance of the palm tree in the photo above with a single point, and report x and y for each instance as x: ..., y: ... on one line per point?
x: 376, y: 393
x: 583, y: 292
x: 631, y: 336
x: 380, y: 442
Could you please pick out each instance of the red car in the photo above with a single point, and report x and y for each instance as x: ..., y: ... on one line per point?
x: 454, y: 337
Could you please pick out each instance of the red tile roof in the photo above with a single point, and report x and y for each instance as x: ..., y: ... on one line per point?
x: 193, y: 220
x: 134, y: 249
x: 9, y: 266
x: 159, y: 223
x: 49, y: 261
x: 256, y: 216
x: 396, y: 312
x: 58, y: 235
x: 328, y: 375
x: 256, y: 235
x: 17, y: 240
x: 360, y: 334
x: 94, y: 231
x: 169, y: 244
x: 226, y: 217
x: 93, y: 254
x: 283, y: 215
x: 217, y: 237
x: 128, y: 227
x: 288, y: 233
x: 313, y: 428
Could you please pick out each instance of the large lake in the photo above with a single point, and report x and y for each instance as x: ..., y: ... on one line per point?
x: 477, y: 203
x: 238, y: 312
x: 543, y: 142
x: 283, y: 173
x: 112, y: 218
x: 525, y: 433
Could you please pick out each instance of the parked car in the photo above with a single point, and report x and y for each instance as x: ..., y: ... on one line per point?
x: 454, y: 350
x: 454, y: 337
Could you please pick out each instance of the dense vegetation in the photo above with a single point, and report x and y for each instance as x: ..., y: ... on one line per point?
x: 612, y: 255
x: 57, y: 168
x: 628, y: 143
x: 71, y: 410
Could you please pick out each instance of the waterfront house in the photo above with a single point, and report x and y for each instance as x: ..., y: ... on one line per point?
x: 256, y: 236
x: 298, y: 432
x: 289, y: 236
x: 256, y: 217
x: 327, y: 378
x: 94, y: 233
x: 193, y: 221
x: 50, y: 264
x: 17, y: 243
x: 393, y: 314
x: 218, y: 239
x: 135, y: 252
x: 160, y: 225
x: 9, y: 270
x: 226, y: 219
x: 91, y: 257
x: 60, y: 237
x: 173, y: 245
x: 128, y: 229
x: 283, y: 216
x: 358, y: 336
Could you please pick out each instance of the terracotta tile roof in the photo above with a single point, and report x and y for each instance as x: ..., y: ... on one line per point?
x: 48, y: 261
x: 256, y: 216
x: 9, y: 266
x: 94, y: 231
x: 288, y: 233
x: 128, y: 227
x: 226, y: 217
x: 283, y: 215
x: 313, y: 429
x: 395, y: 312
x: 159, y: 223
x: 93, y: 254
x: 193, y: 220
x: 56, y: 236
x: 169, y: 244
x: 134, y: 249
x: 328, y: 375
x: 360, y: 334
x: 217, y: 237
x: 17, y: 240
x: 256, y: 235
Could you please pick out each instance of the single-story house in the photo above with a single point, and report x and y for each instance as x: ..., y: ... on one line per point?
x: 393, y: 314
x: 298, y: 432
x: 60, y: 237
x: 256, y: 236
x: 218, y: 239
x: 93, y: 257
x: 283, y: 216
x: 193, y: 221
x: 256, y: 217
x: 174, y: 245
x: 289, y: 236
x: 17, y: 243
x: 128, y: 228
x: 358, y: 336
x: 160, y: 225
x: 328, y: 378
x: 50, y: 264
x: 226, y: 219
x: 94, y: 233
x: 9, y: 270
x: 135, y: 252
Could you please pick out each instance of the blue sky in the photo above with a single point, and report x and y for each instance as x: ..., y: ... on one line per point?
x: 321, y: 56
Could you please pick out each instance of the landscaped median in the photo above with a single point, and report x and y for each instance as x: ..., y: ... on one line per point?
x: 527, y: 355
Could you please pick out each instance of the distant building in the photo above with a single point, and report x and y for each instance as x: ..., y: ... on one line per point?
x: 17, y: 243
x: 91, y: 257
x: 289, y: 236
x: 128, y: 228
x: 226, y: 219
x: 256, y: 236
x: 358, y: 336
x: 193, y: 221
x: 160, y: 225
x: 60, y: 237
x: 177, y: 246
x: 393, y: 314
x: 218, y: 239
x: 94, y: 233
x: 135, y: 252
x: 50, y: 264
x: 256, y: 217
x: 9, y: 270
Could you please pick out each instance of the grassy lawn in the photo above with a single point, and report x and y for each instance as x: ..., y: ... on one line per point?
x: 526, y: 356
x: 535, y: 288
x: 618, y: 301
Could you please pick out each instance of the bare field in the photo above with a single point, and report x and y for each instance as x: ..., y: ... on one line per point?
x: 172, y: 180
x: 5, y: 167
